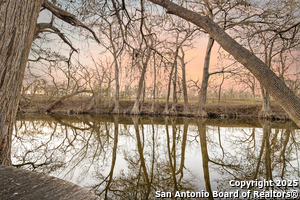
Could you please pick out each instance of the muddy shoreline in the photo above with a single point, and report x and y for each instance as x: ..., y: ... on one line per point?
x: 214, y: 110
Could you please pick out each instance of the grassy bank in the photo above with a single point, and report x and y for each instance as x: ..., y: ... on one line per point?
x: 227, y: 108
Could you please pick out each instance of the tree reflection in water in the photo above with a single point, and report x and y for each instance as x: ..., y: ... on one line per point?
x: 133, y: 157
x: 205, y: 158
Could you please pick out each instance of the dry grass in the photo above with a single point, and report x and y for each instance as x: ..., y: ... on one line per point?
x: 227, y: 107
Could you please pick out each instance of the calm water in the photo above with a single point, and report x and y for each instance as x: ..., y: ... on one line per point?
x: 143, y: 157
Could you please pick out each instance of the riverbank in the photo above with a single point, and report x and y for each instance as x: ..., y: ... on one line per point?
x: 229, y: 108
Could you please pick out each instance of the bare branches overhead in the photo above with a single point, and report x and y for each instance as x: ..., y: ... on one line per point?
x: 41, y: 27
x: 67, y: 17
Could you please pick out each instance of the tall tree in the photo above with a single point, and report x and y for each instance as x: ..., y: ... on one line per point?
x: 263, y: 40
x: 186, y: 110
x: 110, y: 31
x: 203, y: 90
x: 184, y: 33
x: 272, y: 83
x: 18, y: 28
x: 144, y: 59
x: 226, y: 14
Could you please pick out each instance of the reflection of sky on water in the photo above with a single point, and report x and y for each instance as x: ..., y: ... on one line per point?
x: 75, y: 154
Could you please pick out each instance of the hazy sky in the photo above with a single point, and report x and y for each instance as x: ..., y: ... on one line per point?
x: 195, y: 56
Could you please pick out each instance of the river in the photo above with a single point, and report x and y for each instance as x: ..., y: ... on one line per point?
x: 134, y: 157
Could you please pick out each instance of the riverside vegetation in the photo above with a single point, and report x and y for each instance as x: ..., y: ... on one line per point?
x: 227, y: 108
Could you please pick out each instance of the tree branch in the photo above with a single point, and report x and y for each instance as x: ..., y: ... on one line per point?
x: 50, y: 106
x: 67, y: 17
x: 42, y: 26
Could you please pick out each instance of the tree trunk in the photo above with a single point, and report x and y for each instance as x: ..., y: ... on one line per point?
x: 50, y: 106
x: 166, y: 111
x: 108, y: 94
x: 95, y: 100
x: 268, y: 79
x: 170, y: 152
x: 266, y: 111
x: 92, y: 102
x: 114, y: 157
x: 203, y: 91
x: 135, y: 110
x: 253, y: 92
x: 220, y: 89
x: 144, y: 95
x: 173, y: 110
x: 205, y: 158
x: 140, y: 148
x: 287, y: 134
x: 18, y: 21
x: 260, y: 155
x: 267, y: 131
x: 117, y: 87
x: 154, y: 87
x: 183, y: 147
x: 117, y: 101
x: 266, y: 125
x: 186, y: 110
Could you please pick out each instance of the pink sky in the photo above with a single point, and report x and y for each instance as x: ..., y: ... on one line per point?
x: 195, y: 66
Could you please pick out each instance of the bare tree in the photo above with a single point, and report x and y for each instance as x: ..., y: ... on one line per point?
x: 184, y: 33
x: 154, y: 84
x: 226, y: 14
x: 203, y: 90
x: 244, y: 77
x: 144, y: 60
x: 274, y: 85
x: 186, y: 110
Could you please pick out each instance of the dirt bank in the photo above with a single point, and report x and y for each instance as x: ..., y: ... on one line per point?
x: 226, y: 109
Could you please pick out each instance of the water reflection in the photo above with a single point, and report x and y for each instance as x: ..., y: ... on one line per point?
x: 143, y: 157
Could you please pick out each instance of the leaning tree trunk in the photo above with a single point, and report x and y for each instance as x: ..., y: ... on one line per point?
x: 18, y: 19
x: 274, y: 85
x: 95, y: 100
x: 50, y: 106
x: 203, y: 91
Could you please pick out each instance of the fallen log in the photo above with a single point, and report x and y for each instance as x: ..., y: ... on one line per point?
x: 50, y: 106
